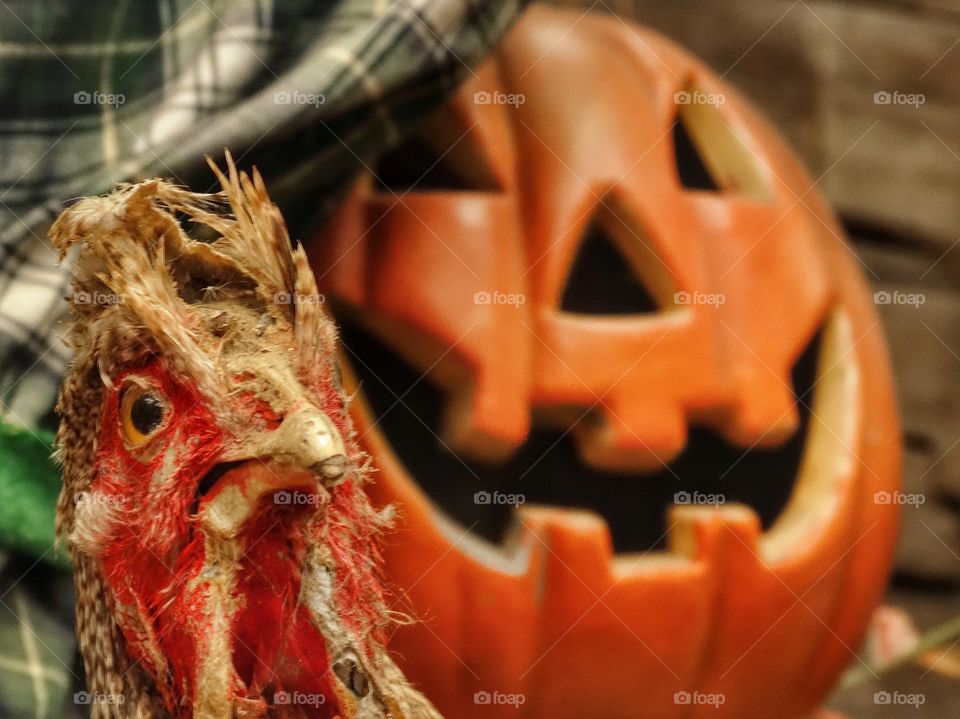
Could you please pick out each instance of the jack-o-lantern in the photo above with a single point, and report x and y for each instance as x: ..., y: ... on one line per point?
x: 598, y: 286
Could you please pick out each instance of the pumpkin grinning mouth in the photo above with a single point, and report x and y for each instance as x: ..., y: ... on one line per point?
x: 547, y: 469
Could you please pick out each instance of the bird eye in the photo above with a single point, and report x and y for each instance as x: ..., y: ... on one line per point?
x: 142, y: 413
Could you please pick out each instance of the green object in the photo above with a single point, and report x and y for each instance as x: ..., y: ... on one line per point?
x: 29, y: 485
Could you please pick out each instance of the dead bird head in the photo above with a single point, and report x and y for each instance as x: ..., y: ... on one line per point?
x: 213, y: 504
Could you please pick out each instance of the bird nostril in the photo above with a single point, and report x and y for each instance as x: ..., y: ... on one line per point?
x: 331, y: 468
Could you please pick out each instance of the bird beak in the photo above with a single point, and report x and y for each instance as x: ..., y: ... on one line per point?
x: 300, y: 459
x: 237, y: 493
x: 309, y: 439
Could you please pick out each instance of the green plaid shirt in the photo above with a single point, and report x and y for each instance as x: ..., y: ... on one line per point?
x: 100, y: 91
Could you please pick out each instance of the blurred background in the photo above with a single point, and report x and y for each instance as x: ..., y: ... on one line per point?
x: 867, y: 94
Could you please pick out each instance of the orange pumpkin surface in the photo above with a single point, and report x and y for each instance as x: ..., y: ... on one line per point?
x: 597, y: 284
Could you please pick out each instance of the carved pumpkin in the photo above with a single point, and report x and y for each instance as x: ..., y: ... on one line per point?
x: 622, y: 305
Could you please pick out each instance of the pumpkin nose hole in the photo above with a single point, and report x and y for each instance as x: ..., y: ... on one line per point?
x: 605, y: 280
x: 352, y: 676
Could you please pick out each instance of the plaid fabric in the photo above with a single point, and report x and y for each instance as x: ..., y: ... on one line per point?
x: 38, y: 669
x: 103, y: 91
x: 100, y: 91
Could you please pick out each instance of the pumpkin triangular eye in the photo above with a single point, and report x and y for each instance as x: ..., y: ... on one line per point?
x: 414, y: 166
x: 425, y: 164
x: 694, y: 175
x: 603, y: 281
x: 712, y: 152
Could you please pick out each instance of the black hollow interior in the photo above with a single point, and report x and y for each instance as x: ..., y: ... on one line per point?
x: 620, y: 293
x: 694, y: 174
x: 413, y: 166
x: 547, y: 469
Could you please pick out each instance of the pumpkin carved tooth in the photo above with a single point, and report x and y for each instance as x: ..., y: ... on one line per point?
x: 632, y: 437
x: 699, y: 532
x: 521, y: 552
